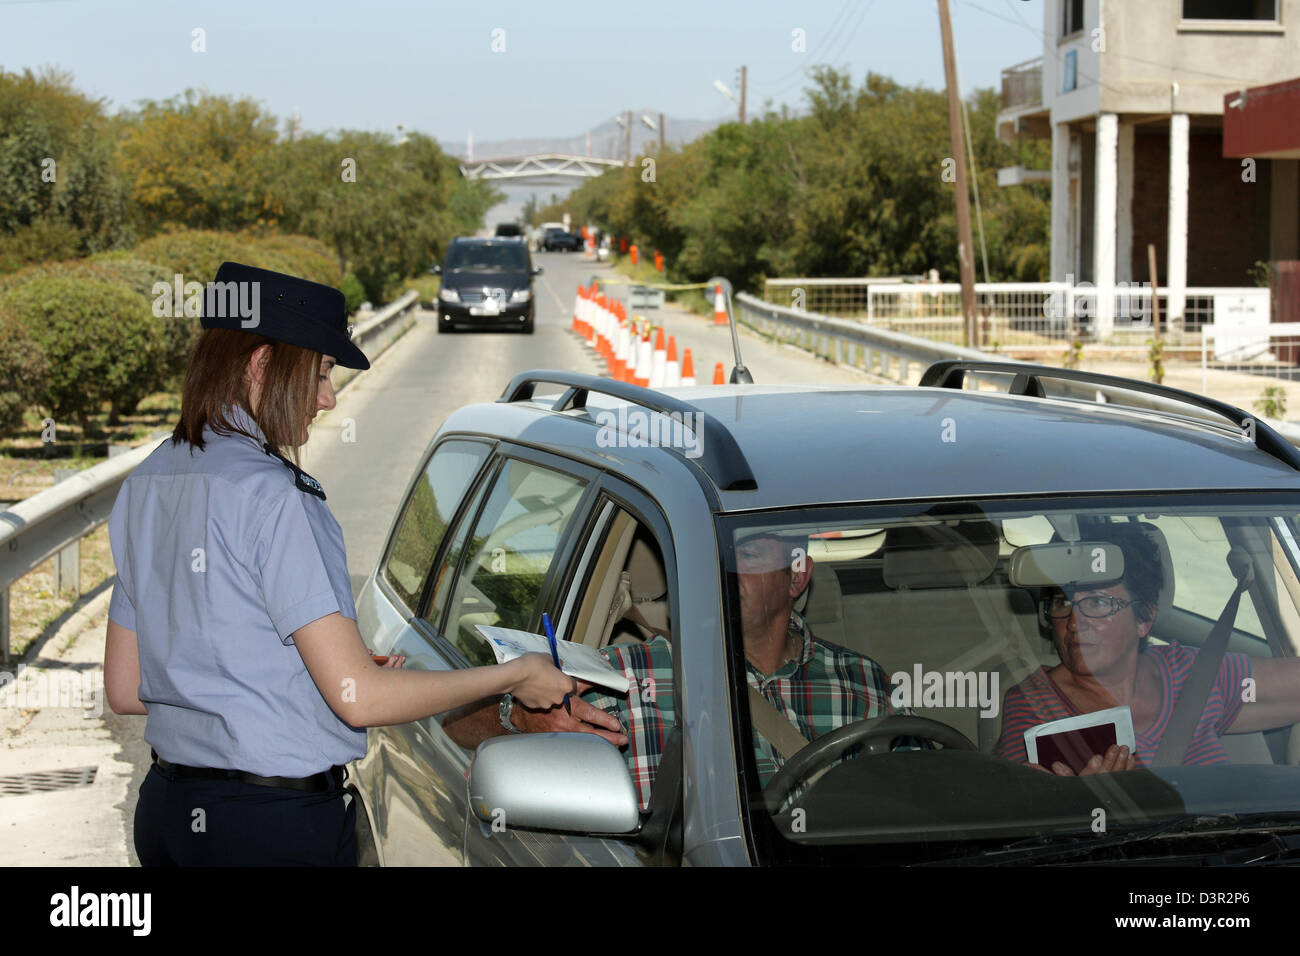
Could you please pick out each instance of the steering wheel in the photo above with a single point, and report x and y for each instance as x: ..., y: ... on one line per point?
x: 875, y: 734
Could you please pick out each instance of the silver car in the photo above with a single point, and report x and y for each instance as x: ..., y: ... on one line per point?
x: 946, y: 526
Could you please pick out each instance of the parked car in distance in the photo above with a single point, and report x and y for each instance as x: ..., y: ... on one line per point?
x: 935, y: 529
x: 486, y: 283
x: 558, y: 239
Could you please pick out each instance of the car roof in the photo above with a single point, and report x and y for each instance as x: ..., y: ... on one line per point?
x: 814, y: 445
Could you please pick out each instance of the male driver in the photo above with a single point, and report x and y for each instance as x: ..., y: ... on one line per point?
x: 815, y: 685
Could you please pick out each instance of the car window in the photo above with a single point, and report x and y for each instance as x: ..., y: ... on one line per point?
x: 509, y: 553
x: 429, y: 510
x: 487, y: 257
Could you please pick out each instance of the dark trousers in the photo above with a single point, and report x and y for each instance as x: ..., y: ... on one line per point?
x: 188, y: 822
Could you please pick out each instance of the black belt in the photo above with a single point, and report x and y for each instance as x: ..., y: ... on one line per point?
x: 326, y: 780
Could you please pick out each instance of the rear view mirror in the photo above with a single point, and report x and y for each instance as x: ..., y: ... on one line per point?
x: 576, y: 783
x: 1068, y: 564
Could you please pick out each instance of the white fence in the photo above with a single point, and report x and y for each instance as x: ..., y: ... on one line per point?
x: 1027, y: 314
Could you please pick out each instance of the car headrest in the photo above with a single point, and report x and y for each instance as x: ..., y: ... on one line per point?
x: 940, y: 555
x: 646, y: 569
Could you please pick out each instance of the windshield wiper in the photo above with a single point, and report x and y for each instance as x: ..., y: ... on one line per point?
x: 1049, y: 848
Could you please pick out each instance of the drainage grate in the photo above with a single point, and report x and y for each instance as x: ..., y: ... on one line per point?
x: 43, y: 780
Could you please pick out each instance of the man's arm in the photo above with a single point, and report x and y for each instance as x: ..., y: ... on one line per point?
x: 471, y: 725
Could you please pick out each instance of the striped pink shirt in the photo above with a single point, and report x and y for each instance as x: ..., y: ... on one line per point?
x: 1037, y: 699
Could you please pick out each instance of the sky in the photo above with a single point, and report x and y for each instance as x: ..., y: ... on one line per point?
x: 502, y: 69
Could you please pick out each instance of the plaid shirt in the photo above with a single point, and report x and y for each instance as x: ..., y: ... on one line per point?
x: 824, y: 688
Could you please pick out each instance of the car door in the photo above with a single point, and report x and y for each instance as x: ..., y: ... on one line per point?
x: 415, y: 815
x: 578, y: 604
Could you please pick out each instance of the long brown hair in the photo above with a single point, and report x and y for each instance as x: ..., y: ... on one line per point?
x: 215, y: 378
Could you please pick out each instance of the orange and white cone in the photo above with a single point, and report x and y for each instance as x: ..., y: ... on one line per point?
x: 577, y: 307
x: 688, y: 369
x: 633, y: 354
x: 719, y: 377
x: 644, y: 359
x: 659, y: 362
x: 672, y: 371
x: 719, y: 306
x: 619, y: 368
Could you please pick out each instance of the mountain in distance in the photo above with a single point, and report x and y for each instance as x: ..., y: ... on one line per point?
x: 606, y: 140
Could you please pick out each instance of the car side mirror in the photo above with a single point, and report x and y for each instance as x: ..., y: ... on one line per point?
x: 577, y: 783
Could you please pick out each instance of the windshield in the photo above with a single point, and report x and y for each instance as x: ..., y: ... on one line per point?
x: 487, y: 257
x: 905, y: 666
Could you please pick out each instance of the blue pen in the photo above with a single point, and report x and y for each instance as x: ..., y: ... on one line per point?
x: 555, y: 653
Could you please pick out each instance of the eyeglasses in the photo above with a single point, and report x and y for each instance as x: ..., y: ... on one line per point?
x: 1094, y: 606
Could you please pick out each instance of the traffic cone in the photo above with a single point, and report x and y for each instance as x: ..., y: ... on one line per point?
x: 644, y: 359
x: 719, y: 306
x: 633, y: 353
x: 688, y: 369
x: 659, y: 361
x: 672, y: 371
x: 577, y: 307
x: 719, y: 378
x: 620, y: 355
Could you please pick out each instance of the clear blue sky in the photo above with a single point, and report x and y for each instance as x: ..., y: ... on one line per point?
x: 566, y: 66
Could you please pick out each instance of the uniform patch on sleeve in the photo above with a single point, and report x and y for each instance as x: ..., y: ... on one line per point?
x: 304, y: 481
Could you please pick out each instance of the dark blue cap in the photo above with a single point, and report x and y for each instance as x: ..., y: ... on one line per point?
x: 281, y: 307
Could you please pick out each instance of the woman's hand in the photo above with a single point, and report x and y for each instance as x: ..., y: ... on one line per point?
x: 1115, y: 758
x: 538, y: 683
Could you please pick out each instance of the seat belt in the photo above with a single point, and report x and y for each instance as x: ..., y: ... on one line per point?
x: 774, y: 725
x: 1196, y: 690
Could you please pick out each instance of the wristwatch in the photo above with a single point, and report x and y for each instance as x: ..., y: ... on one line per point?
x: 505, y: 710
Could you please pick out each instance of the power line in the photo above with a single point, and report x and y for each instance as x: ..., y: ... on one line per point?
x: 830, y: 31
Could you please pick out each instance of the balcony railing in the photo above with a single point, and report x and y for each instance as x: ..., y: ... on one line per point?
x: 1022, y: 84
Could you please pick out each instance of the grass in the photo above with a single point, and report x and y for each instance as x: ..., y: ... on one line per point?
x: 427, y: 287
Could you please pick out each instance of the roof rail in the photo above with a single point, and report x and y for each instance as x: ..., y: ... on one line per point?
x: 951, y: 373
x: 720, y: 457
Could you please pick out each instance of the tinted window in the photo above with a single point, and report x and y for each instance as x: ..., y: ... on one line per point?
x: 429, y: 511
x: 487, y: 257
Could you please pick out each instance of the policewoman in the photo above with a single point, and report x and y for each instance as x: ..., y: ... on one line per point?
x: 231, y: 623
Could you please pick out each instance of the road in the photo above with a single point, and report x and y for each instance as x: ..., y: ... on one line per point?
x: 363, y: 452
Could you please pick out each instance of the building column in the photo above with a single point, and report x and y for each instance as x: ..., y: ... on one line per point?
x: 1176, y: 269
x: 1061, y: 245
x: 1103, y: 219
x: 1124, y: 205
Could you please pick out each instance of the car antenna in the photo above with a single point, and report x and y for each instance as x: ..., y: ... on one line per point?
x: 739, y: 374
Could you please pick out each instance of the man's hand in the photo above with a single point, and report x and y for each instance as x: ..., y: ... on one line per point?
x: 585, y: 719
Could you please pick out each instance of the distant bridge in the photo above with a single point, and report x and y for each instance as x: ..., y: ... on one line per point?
x: 549, y: 169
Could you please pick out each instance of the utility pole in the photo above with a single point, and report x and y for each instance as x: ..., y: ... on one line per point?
x: 965, y: 244
x: 661, y: 132
x: 743, y: 73
x: 627, y: 139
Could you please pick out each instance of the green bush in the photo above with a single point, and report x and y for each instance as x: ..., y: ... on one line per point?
x: 101, y: 341
x: 25, y: 372
x: 353, y: 291
x: 43, y: 239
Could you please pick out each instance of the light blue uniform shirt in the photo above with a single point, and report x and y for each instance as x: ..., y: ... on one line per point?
x: 220, y: 558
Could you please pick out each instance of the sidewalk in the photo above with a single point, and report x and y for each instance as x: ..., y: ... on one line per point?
x: 52, y: 717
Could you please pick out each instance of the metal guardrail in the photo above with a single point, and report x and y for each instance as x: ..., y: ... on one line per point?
x: 35, y: 530
x: 845, y: 342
